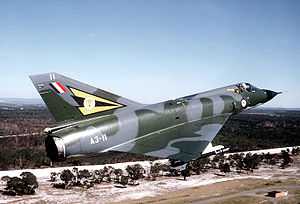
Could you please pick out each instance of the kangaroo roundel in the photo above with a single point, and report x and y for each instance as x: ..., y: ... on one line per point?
x: 89, y: 103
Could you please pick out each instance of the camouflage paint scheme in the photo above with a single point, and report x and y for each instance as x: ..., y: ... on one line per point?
x: 177, y: 129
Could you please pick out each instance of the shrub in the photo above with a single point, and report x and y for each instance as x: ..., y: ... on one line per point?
x: 66, y: 176
x: 286, y: 159
x: 199, y: 165
x: 224, y: 167
x: 135, y: 172
x: 84, y: 174
x: 25, y: 185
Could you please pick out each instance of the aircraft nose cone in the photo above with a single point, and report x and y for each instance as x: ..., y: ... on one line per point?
x: 271, y: 94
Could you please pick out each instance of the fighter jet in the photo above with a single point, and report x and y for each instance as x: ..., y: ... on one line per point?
x: 93, y: 121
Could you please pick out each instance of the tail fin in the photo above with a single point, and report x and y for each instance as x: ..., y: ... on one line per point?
x: 68, y: 99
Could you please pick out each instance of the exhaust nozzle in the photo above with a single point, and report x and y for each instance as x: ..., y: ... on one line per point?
x: 55, y: 148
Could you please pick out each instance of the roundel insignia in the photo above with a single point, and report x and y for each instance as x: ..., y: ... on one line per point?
x: 89, y: 103
x: 244, y: 103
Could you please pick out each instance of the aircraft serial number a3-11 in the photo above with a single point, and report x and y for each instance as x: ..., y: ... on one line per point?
x: 95, y: 121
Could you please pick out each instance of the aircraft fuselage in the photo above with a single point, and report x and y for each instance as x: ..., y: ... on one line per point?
x: 156, y: 129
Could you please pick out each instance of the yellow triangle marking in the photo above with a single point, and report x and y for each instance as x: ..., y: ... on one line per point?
x: 90, y: 100
x: 86, y: 111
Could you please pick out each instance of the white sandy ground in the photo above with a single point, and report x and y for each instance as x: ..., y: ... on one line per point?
x: 106, y: 193
x: 265, y: 151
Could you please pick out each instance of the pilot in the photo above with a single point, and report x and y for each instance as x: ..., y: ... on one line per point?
x: 241, y: 88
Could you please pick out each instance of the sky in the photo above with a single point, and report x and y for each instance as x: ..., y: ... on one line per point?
x: 154, y: 50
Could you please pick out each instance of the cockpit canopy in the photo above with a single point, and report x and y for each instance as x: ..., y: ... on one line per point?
x: 246, y: 87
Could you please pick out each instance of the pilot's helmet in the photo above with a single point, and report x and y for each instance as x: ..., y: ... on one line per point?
x: 246, y: 86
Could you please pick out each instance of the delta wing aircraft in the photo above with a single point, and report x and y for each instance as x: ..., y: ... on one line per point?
x: 93, y: 121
